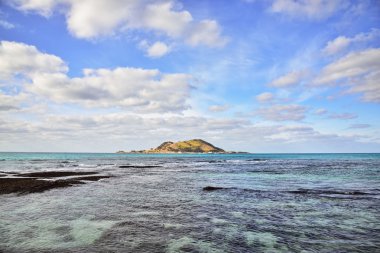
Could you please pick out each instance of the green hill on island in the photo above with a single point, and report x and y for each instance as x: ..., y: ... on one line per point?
x: 189, y: 146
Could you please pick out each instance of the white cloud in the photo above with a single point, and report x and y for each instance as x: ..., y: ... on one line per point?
x: 351, y: 65
x: 264, y: 97
x: 291, y: 112
x: 342, y: 42
x: 158, y: 49
x: 43, y: 7
x: 359, y: 70
x: 144, y: 90
x: 336, y: 45
x: 218, y: 108
x: 343, y: 116
x: 320, y: 111
x: 290, y: 79
x: 6, y: 25
x: 21, y: 59
x: 161, y: 17
x: 312, y: 9
x: 138, y: 89
x: 368, y: 86
x: 359, y: 126
x: 89, y: 19
x: 206, y: 32
x: 10, y: 103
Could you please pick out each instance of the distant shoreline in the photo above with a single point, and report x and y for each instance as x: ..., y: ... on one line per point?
x: 181, y: 153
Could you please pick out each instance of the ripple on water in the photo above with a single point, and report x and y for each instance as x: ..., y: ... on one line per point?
x: 268, y: 240
x: 172, y: 226
x: 86, y: 230
x: 188, y: 244
x: 165, y: 209
x: 53, y: 234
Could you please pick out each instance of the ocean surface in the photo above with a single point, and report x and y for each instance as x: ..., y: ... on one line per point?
x: 265, y: 203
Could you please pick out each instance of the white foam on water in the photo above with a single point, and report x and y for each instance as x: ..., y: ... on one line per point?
x: 217, y: 231
x: 172, y: 225
x: 238, y: 215
x: 145, y: 213
x: 175, y: 246
x: 86, y: 231
x: 39, y: 234
x: 218, y: 221
x: 48, y: 233
x: 202, y: 216
x: 267, y: 239
x: 231, y: 232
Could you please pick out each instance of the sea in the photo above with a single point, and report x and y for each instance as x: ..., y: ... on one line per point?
x: 197, y: 203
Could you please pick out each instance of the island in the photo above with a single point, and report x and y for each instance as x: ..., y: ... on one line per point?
x: 188, y: 146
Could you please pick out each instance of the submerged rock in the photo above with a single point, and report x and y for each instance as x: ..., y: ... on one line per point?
x: 57, y: 174
x: 34, y: 182
x: 92, y: 178
x: 213, y: 188
x: 327, y: 192
x: 31, y: 185
x: 139, y: 166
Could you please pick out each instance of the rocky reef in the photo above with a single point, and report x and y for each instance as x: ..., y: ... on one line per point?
x: 23, y: 183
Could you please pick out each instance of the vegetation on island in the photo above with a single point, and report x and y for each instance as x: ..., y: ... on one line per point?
x: 189, y: 146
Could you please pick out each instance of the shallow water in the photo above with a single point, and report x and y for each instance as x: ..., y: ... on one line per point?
x: 268, y: 203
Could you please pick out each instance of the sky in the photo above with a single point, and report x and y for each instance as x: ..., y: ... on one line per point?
x: 264, y: 76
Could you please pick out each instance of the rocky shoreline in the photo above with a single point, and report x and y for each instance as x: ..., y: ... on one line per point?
x: 24, y: 183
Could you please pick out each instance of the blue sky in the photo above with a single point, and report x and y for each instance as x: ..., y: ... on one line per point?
x: 259, y: 76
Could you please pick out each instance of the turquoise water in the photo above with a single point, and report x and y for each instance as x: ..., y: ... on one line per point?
x: 266, y: 203
x: 35, y: 156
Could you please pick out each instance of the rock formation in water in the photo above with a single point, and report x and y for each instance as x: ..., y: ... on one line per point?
x: 189, y: 146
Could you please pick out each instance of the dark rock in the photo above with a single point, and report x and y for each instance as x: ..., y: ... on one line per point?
x: 217, y: 161
x: 266, y: 171
x: 8, y: 172
x: 47, y: 174
x: 34, y: 182
x: 31, y: 185
x: 328, y: 192
x: 213, y: 188
x: 92, y: 178
x: 139, y: 166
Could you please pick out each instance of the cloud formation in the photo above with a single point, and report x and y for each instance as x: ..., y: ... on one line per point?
x: 290, y: 112
x: 311, y: 9
x: 10, y: 103
x: 6, y: 25
x: 89, y: 19
x: 360, y: 71
x: 264, y: 97
x: 21, y: 59
x: 359, y: 126
x: 155, y: 50
x: 144, y: 90
x: 340, y: 43
x: 343, y: 116
x: 320, y: 111
x: 290, y: 79
x: 218, y: 108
